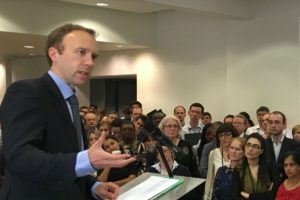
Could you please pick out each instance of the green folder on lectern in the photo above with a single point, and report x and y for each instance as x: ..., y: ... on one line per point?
x: 151, y: 188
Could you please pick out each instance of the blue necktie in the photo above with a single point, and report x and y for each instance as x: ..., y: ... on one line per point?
x: 76, y: 118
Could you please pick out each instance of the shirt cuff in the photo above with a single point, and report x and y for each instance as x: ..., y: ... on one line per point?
x: 93, y: 190
x: 83, y: 165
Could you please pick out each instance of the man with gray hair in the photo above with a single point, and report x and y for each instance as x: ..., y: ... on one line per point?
x: 240, y: 124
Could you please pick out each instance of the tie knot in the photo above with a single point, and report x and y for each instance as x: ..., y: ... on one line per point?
x: 73, y: 100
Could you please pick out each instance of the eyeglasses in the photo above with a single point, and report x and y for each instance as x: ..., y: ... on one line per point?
x: 228, y: 134
x: 253, y: 146
x: 171, y: 126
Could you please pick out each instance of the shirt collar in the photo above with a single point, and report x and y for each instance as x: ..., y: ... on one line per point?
x: 200, y: 125
x: 63, y: 87
x: 280, y: 141
x: 157, y: 166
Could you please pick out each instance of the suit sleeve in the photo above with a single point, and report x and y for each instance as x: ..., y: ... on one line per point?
x: 24, y: 124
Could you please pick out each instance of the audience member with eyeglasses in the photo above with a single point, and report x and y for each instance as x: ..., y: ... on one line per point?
x: 219, y: 156
x: 171, y: 127
x: 258, y: 179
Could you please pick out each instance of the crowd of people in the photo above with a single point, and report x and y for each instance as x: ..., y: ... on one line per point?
x: 235, y: 156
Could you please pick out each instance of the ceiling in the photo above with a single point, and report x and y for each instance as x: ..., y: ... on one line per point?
x: 136, y: 6
x: 12, y: 44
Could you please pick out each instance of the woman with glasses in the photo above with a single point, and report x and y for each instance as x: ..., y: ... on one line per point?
x: 222, y: 182
x: 219, y: 156
x: 171, y: 127
x: 258, y: 178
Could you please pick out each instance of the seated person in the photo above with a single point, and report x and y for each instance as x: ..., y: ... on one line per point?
x: 128, y: 142
x: 119, y: 176
x: 93, y: 137
x: 176, y: 168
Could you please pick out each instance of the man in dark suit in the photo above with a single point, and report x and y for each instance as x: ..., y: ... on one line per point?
x: 277, y: 143
x: 44, y: 156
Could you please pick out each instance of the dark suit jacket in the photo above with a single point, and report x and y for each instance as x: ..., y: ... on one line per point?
x: 40, y: 144
x: 287, y: 145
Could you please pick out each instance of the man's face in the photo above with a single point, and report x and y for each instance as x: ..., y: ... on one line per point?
x: 276, y: 125
x: 239, y: 124
x: 260, y: 116
x: 265, y: 122
x: 127, y: 132
x: 90, y: 120
x: 111, y: 117
x: 135, y: 113
x: 195, y: 113
x: 76, y: 61
x: 138, y: 125
x: 180, y: 113
x: 206, y: 119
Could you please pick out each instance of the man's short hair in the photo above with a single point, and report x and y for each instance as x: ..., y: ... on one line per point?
x: 206, y: 114
x: 179, y: 107
x: 262, y: 109
x: 279, y: 113
x: 56, y: 37
x: 197, y: 105
x: 243, y: 117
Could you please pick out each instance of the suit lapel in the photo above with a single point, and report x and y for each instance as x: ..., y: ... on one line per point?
x: 271, y: 149
x: 61, y: 107
x: 283, y: 149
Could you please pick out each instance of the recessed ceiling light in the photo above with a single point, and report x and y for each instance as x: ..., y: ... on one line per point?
x: 28, y: 47
x: 31, y: 54
x: 120, y: 46
x: 102, y: 4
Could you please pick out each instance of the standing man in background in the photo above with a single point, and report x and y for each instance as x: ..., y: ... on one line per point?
x: 260, y: 112
x: 180, y: 113
x: 278, y: 144
x: 42, y: 142
x: 192, y: 131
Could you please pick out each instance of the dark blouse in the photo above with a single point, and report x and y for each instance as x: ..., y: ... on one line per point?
x: 239, y: 180
x: 223, y: 182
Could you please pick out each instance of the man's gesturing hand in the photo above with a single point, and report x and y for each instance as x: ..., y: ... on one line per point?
x: 100, y: 158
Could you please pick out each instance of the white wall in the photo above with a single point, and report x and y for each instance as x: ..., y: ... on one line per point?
x: 228, y: 65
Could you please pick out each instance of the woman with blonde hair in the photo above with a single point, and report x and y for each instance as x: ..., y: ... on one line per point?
x: 222, y: 182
